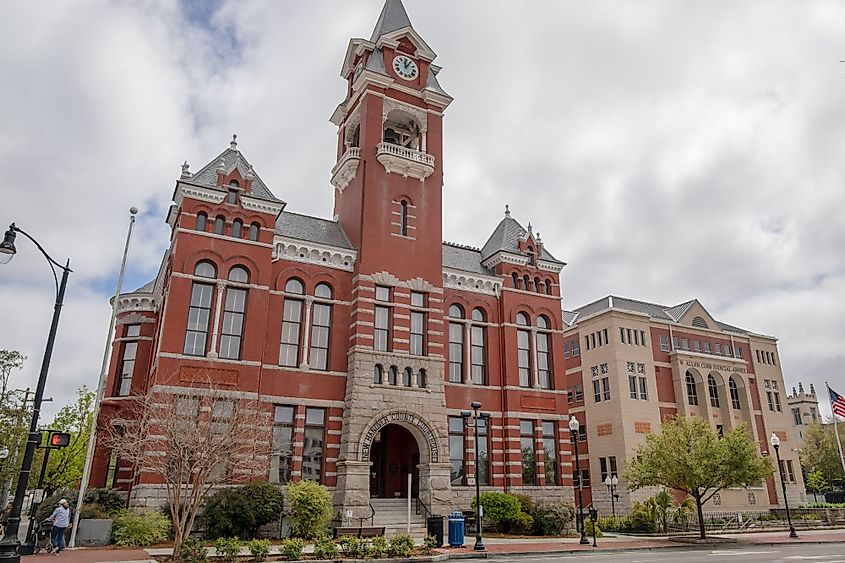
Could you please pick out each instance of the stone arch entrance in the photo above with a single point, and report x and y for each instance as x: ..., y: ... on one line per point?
x: 394, y: 454
x: 420, y: 428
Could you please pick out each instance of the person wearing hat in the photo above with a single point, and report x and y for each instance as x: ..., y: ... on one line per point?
x: 60, y: 520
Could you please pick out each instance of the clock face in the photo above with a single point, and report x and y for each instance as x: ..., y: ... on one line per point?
x: 405, y: 67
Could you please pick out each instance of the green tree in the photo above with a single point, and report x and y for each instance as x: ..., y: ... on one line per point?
x: 15, y: 415
x: 688, y: 455
x: 820, y: 452
x: 64, y: 468
x: 816, y: 483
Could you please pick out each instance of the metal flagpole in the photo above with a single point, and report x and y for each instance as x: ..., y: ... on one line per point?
x: 92, y: 429
x: 835, y: 427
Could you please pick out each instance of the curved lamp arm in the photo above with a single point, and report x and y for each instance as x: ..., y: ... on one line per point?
x: 52, y: 263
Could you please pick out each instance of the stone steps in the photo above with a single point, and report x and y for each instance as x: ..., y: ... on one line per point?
x: 392, y: 514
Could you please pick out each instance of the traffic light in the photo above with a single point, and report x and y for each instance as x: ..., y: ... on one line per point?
x: 58, y: 440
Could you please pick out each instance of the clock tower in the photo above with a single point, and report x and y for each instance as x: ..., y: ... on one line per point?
x: 388, y: 184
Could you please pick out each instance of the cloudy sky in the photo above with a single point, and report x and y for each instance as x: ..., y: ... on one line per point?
x: 665, y: 150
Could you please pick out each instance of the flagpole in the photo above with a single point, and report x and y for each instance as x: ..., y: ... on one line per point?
x: 92, y: 429
x: 835, y: 427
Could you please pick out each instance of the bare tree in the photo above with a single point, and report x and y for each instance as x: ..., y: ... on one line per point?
x: 192, y: 440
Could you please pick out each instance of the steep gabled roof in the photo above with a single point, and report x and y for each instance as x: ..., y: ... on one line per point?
x: 506, y: 238
x: 679, y: 311
x: 231, y: 158
x: 464, y: 258
x: 393, y: 17
x: 311, y: 229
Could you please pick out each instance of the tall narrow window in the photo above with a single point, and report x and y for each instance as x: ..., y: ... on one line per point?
x: 381, y: 331
x: 734, y: 391
x: 313, y: 444
x: 456, y: 345
x: 713, y: 390
x: 548, y: 287
x: 526, y: 447
x: 393, y: 375
x: 456, y: 449
x: 523, y: 347
x: 538, y: 285
x: 281, y: 458
x: 378, y: 374
x: 237, y: 228
x: 407, y: 377
x: 199, y: 313
x: 549, y: 453
x: 232, y: 196
x: 233, y: 315
x: 219, y: 223
x: 515, y: 279
x: 253, y: 231
x: 202, y: 221
x: 417, y: 324
x: 321, y: 327
x: 478, y: 349
x: 403, y: 218
x: 692, y: 392
x: 291, y: 324
x: 422, y: 379
x: 544, y: 367
x: 127, y: 368
x: 222, y: 411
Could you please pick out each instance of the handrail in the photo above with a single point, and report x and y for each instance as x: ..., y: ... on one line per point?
x: 372, y: 517
x: 425, y: 510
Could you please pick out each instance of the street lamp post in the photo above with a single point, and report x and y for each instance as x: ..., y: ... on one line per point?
x: 10, y: 543
x: 610, y: 483
x: 485, y: 416
x: 775, y: 441
x: 4, y: 455
x: 574, y: 425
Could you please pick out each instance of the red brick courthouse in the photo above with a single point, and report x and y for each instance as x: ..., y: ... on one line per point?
x: 364, y: 335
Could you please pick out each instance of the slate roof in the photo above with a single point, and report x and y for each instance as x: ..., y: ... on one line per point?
x: 392, y: 18
x: 311, y: 229
x: 207, y: 176
x: 464, y: 258
x: 146, y: 288
x: 431, y: 83
x: 506, y: 237
x: 653, y: 310
x: 375, y: 62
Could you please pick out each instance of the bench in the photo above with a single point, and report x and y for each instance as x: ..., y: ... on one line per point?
x: 360, y: 532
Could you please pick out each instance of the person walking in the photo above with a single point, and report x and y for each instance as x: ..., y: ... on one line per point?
x: 60, y: 520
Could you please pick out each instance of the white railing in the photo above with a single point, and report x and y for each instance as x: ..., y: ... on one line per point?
x: 405, y: 152
x: 351, y: 152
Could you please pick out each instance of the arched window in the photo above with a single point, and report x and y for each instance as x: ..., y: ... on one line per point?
x: 403, y: 218
x: 321, y: 327
x: 734, y: 391
x: 253, y: 231
x: 219, y: 223
x: 548, y: 287
x: 234, y: 184
x: 478, y: 348
x: 692, y: 391
x: 456, y: 345
x: 523, y: 346
x: 538, y: 285
x: 291, y: 325
x: 323, y: 291
x: 392, y: 375
x: 202, y: 221
x: 239, y: 274
x: 713, y: 390
x: 237, y: 228
x: 407, y: 377
x: 378, y: 374
x: 422, y: 380
x: 544, y: 365
x: 205, y: 270
x: 515, y: 280
x: 527, y: 282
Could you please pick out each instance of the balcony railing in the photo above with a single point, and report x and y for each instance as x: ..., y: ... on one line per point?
x: 405, y: 161
x: 345, y: 169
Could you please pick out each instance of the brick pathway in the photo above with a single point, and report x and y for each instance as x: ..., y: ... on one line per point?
x: 89, y: 555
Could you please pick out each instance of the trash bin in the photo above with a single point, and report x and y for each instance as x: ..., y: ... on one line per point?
x: 435, y: 528
x: 456, y: 529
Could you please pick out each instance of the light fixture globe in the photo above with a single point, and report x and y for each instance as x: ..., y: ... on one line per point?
x: 574, y: 425
x: 607, y: 481
x: 614, y: 481
x: 7, y: 247
x: 774, y: 440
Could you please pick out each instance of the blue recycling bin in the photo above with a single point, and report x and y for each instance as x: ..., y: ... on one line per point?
x: 456, y: 529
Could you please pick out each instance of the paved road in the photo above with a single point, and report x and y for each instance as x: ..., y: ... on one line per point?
x: 827, y: 553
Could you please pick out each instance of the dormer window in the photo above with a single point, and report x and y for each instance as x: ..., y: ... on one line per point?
x: 232, y: 197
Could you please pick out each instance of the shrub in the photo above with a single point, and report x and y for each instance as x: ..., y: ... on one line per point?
x: 553, y: 518
x: 401, y: 545
x: 588, y: 528
x: 228, y: 549
x: 642, y: 520
x: 140, y: 530
x: 429, y: 543
x: 524, y: 524
x: 241, y: 511
x: 90, y: 511
x: 501, y: 508
x: 191, y: 550
x: 311, y: 508
x: 325, y: 548
x: 378, y: 548
x: 259, y: 549
x: 526, y: 503
x: 356, y: 548
x: 109, y: 503
x: 292, y: 548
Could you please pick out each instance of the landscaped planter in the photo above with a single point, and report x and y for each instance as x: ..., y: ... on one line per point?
x: 94, y: 532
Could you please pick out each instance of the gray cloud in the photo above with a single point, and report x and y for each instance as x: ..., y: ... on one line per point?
x: 665, y: 150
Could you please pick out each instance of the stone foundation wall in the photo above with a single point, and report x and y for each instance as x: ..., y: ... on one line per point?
x: 463, y: 496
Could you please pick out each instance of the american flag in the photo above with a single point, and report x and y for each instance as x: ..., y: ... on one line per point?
x: 837, y: 403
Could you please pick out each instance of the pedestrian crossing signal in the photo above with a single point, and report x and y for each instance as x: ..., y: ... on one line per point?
x: 59, y: 439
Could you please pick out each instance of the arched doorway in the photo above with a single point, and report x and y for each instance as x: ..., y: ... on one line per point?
x: 394, y: 454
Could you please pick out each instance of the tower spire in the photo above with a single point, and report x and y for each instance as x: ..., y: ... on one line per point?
x: 392, y: 18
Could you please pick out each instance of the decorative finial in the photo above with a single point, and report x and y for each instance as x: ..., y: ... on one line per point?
x: 812, y: 390
x: 186, y: 172
x: 800, y: 388
x: 234, y: 144
x: 539, y: 238
x: 530, y: 229
x: 507, y: 210
x: 221, y: 166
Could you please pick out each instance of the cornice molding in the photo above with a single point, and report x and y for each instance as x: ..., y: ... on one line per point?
x: 261, y: 205
x: 297, y: 250
x: 465, y: 281
x: 131, y: 302
x: 344, y: 171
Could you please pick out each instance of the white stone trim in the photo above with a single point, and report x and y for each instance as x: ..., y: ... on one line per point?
x: 313, y: 253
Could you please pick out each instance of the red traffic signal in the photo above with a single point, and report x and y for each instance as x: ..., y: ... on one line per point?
x: 59, y: 440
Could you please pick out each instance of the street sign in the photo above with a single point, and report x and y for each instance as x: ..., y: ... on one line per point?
x: 38, y: 496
